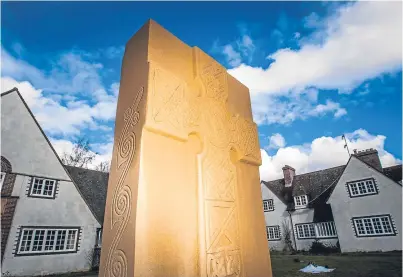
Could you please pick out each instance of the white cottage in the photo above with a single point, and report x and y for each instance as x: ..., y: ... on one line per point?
x: 47, y: 226
x: 357, y: 206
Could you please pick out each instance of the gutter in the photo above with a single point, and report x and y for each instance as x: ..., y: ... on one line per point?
x: 293, y: 233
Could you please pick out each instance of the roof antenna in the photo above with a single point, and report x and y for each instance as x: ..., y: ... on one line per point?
x: 345, y: 145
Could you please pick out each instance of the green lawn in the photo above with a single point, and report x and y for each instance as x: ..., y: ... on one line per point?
x: 355, y: 265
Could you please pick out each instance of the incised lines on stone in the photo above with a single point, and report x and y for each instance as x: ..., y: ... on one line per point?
x: 116, y: 262
x: 181, y: 108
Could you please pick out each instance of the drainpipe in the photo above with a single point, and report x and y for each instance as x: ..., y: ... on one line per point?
x: 293, y: 233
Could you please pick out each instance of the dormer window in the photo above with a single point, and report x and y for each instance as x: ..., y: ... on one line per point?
x: 301, y: 201
x: 268, y: 205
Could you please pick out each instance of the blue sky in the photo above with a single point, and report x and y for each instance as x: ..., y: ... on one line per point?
x: 315, y: 70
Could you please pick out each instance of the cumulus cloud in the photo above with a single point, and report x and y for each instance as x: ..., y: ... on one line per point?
x: 349, y: 54
x: 238, y: 51
x: 321, y: 153
x: 285, y: 110
x: 276, y: 141
x: 75, y: 115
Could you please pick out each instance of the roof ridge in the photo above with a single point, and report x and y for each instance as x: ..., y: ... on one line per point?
x: 307, y: 173
x: 89, y: 169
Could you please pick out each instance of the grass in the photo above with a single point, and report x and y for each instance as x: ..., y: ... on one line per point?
x: 354, y: 265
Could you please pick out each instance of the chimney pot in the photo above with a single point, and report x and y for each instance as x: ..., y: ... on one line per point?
x: 289, y: 174
x: 370, y: 156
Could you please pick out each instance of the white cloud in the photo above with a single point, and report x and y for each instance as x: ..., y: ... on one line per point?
x: 276, y: 141
x: 76, y: 115
x: 270, y: 109
x: 330, y: 106
x: 361, y: 41
x: 233, y: 57
x: 312, y: 21
x: 321, y: 153
x: 237, y: 51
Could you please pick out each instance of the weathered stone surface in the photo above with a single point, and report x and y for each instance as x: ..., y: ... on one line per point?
x: 184, y: 193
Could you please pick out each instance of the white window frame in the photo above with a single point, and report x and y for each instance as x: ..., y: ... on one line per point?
x: 298, y: 200
x: 268, y: 205
x: 367, y: 226
x: 30, y: 250
x: 2, y: 177
x: 318, y: 230
x: 362, y: 187
x: 41, y: 194
x: 98, y: 242
x: 273, y: 232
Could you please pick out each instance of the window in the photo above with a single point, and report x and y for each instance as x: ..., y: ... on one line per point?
x: 316, y: 230
x: 47, y: 240
x: 325, y: 230
x: 268, y: 205
x: 98, y: 241
x: 362, y: 188
x: 305, y: 231
x: 273, y: 232
x: 43, y: 187
x: 373, y: 226
x: 2, y: 176
x: 301, y: 201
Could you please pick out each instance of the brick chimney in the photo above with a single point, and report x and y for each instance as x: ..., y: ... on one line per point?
x: 369, y: 156
x: 289, y: 174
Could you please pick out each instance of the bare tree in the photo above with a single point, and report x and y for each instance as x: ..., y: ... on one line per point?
x: 103, y: 166
x: 287, y: 237
x: 81, y: 154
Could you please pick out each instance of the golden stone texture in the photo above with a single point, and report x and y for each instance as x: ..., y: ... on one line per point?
x: 184, y: 194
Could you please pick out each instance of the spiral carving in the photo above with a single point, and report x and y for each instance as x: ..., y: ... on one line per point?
x: 126, y: 147
x: 122, y: 202
x: 116, y: 261
x: 119, y: 264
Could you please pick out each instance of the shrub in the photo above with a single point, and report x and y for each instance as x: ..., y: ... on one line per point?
x: 318, y: 247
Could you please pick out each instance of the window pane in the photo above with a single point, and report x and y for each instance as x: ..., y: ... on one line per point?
x: 360, y: 226
x: 276, y: 233
x: 38, y: 240
x: 26, y: 240
x: 61, y: 237
x: 71, y: 239
x: 300, y: 231
x: 370, y: 186
x: 311, y: 230
x: 48, y: 190
x: 37, y: 189
x: 377, y: 225
x: 386, y: 224
x: 50, y: 239
x: 361, y: 188
x: 303, y: 200
x: 368, y: 226
x: 354, y: 190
